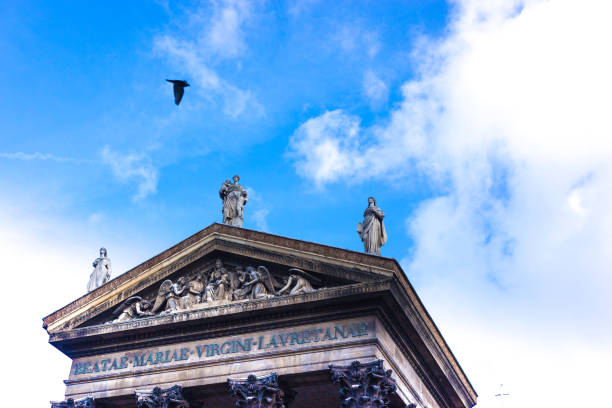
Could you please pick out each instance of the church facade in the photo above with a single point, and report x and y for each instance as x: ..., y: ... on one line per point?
x: 235, y: 317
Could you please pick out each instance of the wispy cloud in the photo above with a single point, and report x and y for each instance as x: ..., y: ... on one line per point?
x: 133, y: 167
x: 354, y: 38
x: 41, y: 156
x: 211, y: 34
x: 375, y: 90
x: 258, y: 210
x: 505, y: 120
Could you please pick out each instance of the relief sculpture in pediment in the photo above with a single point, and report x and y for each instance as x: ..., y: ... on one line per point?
x: 218, y: 285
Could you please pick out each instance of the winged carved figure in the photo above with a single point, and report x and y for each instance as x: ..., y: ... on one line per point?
x: 165, y: 289
x: 132, y: 308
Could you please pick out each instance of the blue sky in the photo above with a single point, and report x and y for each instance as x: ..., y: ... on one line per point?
x: 483, y: 136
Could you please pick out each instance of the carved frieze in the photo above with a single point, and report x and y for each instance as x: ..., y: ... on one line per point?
x: 363, y: 385
x: 219, y: 284
x: 71, y: 403
x: 263, y: 392
x: 161, y: 398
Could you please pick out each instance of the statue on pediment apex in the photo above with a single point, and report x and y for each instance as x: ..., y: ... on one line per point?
x: 102, y: 271
x: 234, y: 198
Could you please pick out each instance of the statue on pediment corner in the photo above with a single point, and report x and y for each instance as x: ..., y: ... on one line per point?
x: 102, y: 271
x: 372, y: 230
x: 234, y: 198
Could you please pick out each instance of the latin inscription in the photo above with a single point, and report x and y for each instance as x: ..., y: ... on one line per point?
x: 233, y: 346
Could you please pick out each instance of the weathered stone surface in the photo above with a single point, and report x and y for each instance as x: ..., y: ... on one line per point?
x: 363, y: 385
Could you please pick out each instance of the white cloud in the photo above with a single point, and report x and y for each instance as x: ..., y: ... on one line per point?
x: 327, y: 146
x: 258, y: 210
x: 133, y: 166
x: 40, y: 156
x: 355, y: 39
x: 42, y: 250
x: 210, y: 36
x: 224, y: 35
x: 374, y: 89
x: 509, y: 120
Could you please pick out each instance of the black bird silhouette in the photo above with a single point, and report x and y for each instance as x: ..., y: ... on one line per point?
x: 179, y: 89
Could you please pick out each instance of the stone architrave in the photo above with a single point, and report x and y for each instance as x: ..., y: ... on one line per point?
x: 365, y: 385
x: 161, y: 398
x: 264, y: 392
x: 70, y: 403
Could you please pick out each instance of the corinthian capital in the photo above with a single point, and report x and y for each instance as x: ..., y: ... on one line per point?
x: 161, y: 398
x: 365, y: 385
x: 263, y: 392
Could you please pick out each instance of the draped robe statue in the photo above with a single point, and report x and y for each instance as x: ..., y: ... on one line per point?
x: 101, y: 272
x: 234, y: 198
x: 372, y: 229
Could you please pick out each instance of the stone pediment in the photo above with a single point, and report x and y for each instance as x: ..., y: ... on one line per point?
x: 219, y: 268
x: 228, y: 299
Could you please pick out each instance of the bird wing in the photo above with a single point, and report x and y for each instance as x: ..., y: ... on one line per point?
x: 178, y: 93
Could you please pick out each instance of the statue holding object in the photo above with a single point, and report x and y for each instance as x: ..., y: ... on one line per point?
x: 234, y: 198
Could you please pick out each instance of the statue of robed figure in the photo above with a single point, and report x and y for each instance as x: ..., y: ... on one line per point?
x: 101, y: 273
x: 234, y: 198
x: 372, y: 229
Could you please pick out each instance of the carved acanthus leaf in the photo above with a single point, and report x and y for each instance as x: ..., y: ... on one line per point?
x: 365, y: 385
x: 71, y: 403
x: 264, y: 392
x: 161, y: 398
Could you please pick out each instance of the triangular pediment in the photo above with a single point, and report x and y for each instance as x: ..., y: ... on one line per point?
x: 220, y: 267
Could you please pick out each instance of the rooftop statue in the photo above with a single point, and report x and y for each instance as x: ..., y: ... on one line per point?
x: 101, y: 273
x: 234, y: 198
x: 372, y: 229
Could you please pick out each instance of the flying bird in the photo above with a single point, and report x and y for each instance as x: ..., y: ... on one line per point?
x: 179, y: 89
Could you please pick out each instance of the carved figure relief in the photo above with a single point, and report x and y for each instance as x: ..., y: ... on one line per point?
x: 365, y: 385
x: 71, y: 403
x: 161, y: 398
x: 132, y: 308
x: 234, y: 198
x: 263, y: 392
x: 101, y: 273
x: 217, y: 285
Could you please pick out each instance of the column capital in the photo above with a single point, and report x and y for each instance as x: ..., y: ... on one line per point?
x: 87, y: 402
x: 263, y: 392
x: 363, y: 385
x: 161, y: 398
